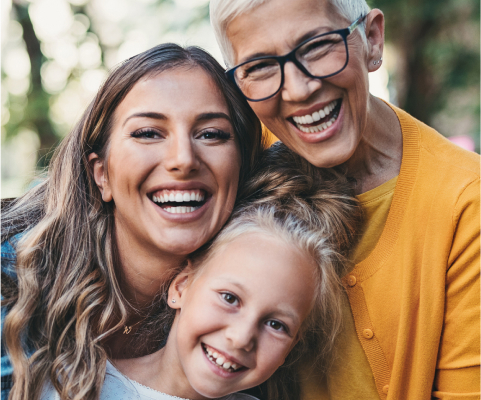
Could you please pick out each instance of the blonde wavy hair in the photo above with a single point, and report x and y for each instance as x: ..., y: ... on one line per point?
x: 66, y: 298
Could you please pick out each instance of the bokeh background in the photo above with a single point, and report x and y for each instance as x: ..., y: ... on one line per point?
x: 56, y: 53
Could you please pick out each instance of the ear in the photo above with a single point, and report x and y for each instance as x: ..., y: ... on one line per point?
x: 100, y: 176
x: 375, y: 38
x: 178, y: 286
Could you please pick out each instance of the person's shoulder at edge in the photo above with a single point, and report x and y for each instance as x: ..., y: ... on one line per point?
x: 447, y: 152
x: 440, y: 147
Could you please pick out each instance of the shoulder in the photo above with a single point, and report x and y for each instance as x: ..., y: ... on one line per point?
x: 438, y: 153
x: 438, y: 168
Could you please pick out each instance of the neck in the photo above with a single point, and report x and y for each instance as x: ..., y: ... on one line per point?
x: 378, y: 155
x: 144, y: 271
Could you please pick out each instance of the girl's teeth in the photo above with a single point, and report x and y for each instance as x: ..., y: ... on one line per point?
x: 179, y: 197
x: 219, y: 360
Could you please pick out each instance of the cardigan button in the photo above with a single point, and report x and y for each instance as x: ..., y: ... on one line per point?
x: 367, y: 333
x: 385, y: 389
x: 351, y: 280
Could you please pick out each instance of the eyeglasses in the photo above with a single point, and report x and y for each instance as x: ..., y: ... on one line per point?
x: 319, y: 57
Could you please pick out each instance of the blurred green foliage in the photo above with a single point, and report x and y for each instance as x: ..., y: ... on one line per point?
x: 437, y: 70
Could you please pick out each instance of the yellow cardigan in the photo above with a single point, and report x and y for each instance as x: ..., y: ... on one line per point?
x: 416, y: 298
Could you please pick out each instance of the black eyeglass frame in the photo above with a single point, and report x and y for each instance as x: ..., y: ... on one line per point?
x: 291, y: 57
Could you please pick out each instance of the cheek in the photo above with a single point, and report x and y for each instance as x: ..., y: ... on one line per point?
x: 226, y: 168
x: 128, y: 169
x: 268, y: 111
x: 272, y: 354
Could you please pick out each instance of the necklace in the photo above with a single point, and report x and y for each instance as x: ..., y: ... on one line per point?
x: 128, y: 328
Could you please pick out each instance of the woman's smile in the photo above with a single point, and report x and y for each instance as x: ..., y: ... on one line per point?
x: 318, y: 123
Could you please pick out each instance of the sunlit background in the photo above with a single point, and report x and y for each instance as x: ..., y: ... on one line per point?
x: 56, y: 53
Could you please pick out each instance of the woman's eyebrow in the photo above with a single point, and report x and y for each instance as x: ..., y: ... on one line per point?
x: 150, y: 114
x: 303, y: 38
x: 212, y: 115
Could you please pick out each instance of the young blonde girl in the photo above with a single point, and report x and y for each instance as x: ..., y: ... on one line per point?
x: 246, y: 309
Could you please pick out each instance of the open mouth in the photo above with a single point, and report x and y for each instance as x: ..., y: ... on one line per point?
x: 180, y: 201
x: 220, y: 360
x: 319, y: 120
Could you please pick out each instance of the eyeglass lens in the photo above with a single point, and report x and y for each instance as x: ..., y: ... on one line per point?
x: 322, y: 56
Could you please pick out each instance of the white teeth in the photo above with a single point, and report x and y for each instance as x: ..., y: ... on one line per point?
x: 178, y: 197
x: 220, y: 360
x: 180, y: 210
x: 316, y: 115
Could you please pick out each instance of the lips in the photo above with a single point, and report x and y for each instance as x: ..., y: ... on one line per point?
x: 222, y: 360
x: 180, y: 201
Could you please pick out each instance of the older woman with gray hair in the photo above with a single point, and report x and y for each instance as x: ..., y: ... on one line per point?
x: 411, y: 309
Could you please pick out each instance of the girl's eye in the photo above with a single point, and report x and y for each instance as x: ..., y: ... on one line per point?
x: 230, y: 298
x: 276, y: 325
x: 146, y: 134
x: 215, y: 134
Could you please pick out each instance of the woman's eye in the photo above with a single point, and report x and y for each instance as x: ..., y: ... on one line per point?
x: 276, y: 325
x: 230, y: 298
x: 146, y: 134
x: 215, y: 135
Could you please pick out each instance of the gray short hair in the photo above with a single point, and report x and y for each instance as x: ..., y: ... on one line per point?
x: 222, y: 12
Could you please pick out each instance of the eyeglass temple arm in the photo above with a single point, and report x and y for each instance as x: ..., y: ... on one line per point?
x: 356, y: 23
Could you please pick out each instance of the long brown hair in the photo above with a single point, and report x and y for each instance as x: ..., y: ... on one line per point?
x: 66, y: 293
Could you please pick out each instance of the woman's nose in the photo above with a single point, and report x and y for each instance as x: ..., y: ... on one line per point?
x: 242, y: 336
x: 181, y: 155
x: 298, y: 86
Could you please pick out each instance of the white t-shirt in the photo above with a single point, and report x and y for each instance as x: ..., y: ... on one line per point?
x: 118, y: 387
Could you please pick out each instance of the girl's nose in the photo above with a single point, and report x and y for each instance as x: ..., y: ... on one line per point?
x: 298, y: 86
x: 181, y: 156
x: 242, y: 336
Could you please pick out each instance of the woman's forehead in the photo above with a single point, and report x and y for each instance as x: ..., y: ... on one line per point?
x: 275, y: 27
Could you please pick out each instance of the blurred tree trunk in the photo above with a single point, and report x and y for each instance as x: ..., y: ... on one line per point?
x: 437, y: 44
x: 36, y: 113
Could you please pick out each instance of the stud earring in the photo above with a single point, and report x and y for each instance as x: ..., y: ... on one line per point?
x: 377, y: 62
x: 173, y: 300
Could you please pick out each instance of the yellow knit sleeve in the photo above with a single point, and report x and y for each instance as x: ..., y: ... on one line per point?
x: 458, y: 366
